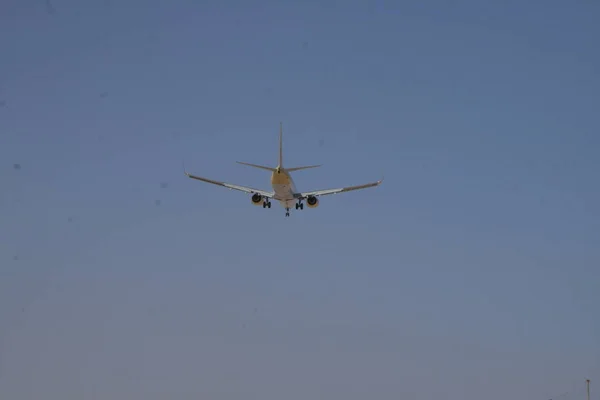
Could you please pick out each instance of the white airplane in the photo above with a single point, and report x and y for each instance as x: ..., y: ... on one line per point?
x: 284, y: 189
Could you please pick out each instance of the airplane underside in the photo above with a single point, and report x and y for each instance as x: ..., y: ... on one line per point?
x: 284, y: 193
x: 287, y: 204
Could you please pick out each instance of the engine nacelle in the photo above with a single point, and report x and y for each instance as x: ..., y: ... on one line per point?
x: 312, y: 202
x: 257, y: 199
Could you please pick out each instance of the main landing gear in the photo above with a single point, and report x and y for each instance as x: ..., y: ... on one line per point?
x: 299, y: 206
x: 267, y: 204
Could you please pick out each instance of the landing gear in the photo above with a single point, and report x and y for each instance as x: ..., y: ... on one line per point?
x: 267, y: 204
x: 300, y: 206
x: 287, y: 212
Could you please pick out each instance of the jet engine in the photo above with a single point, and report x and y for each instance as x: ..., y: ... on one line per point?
x: 256, y: 199
x: 312, y: 202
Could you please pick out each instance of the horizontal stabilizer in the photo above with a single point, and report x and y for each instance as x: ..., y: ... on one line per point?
x: 256, y: 166
x: 305, y: 167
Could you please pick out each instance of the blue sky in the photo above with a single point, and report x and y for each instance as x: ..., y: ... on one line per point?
x: 473, y: 269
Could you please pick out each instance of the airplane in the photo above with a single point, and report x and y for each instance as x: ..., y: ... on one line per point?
x: 284, y: 189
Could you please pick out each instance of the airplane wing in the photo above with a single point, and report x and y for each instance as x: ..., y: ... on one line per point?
x: 230, y: 186
x: 325, y: 192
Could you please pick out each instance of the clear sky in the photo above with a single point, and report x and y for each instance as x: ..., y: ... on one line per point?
x: 472, y: 272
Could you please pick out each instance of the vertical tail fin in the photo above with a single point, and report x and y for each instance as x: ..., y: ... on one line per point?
x: 281, y: 144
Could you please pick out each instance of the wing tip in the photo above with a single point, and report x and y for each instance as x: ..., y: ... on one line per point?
x: 185, y: 170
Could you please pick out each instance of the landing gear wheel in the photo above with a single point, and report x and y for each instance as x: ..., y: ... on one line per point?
x: 287, y: 212
x: 302, y: 206
x: 269, y: 204
x: 265, y: 204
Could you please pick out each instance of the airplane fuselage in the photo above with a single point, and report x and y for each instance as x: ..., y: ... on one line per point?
x: 284, y: 187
